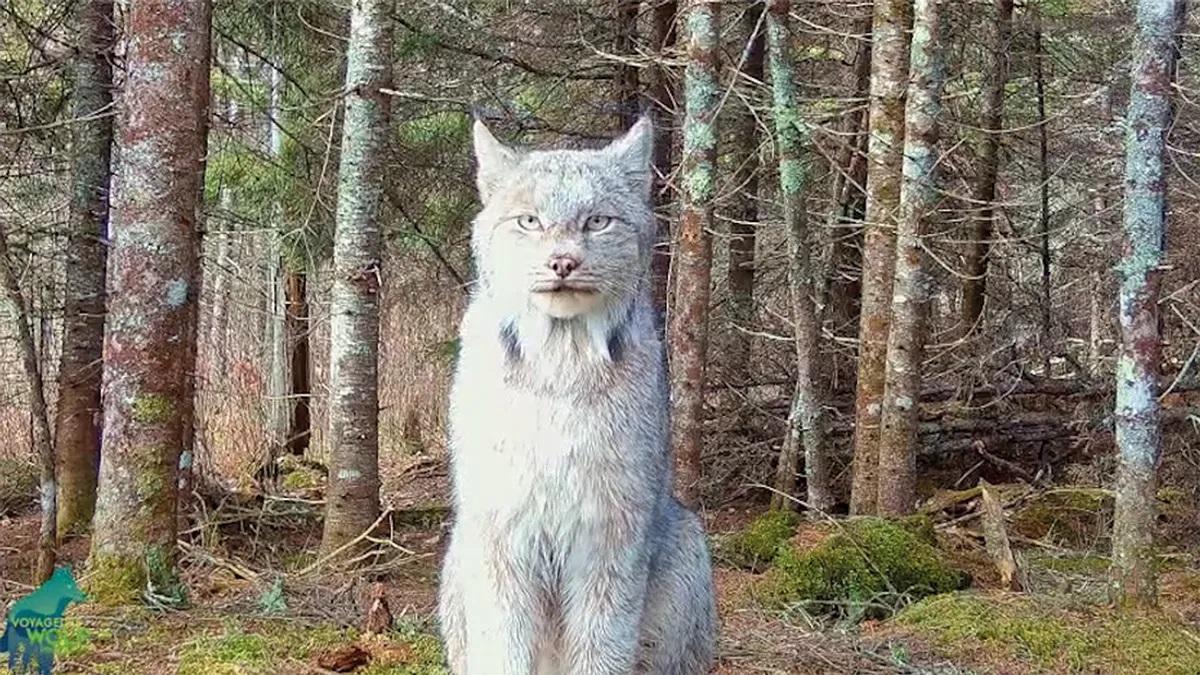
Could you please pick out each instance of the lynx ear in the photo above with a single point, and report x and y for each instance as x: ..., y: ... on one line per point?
x: 495, y: 159
x: 633, y: 154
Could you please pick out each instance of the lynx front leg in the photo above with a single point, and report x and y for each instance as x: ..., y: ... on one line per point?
x: 605, y: 593
x: 500, y: 611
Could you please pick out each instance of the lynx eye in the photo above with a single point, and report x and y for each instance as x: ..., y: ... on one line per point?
x: 529, y: 223
x: 597, y: 223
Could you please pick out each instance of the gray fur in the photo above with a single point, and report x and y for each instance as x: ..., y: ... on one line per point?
x: 569, y: 555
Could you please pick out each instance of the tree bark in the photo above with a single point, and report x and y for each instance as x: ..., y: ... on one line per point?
x: 353, y: 501
x: 841, y: 284
x: 978, y: 248
x: 910, y: 291
x: 77, y: 428
x: 277, y: 407
x: 662, y: 92
x: 693, y: 262
x: 806, y: 419
x: 298, y: 332
x: 626, y: 33
x: 1137, y: 414
x: 744, y: 215
x: 1044, y: 192
x: 150, y: 326
x: 43, y: 444
x: 889, y: 75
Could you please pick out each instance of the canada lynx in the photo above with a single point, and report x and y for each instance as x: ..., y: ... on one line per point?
x: 568, y: 555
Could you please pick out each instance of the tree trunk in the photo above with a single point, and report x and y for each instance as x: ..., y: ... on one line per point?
x: 744, y: 215
x: 662, y: 93
x: 910, y: 291
x: 43, y: 444
x: 77, y: 428
x: 975, y: 285
x: 353, y: 501
x: 298, y: 331
x: 806, y: 420
x: 1137, y: 414
x: 152, y: 307
x: 1043, y: 193
x: 277, y: 404
x: 693, y: 264
x: 624, y: 45
x: 840, y: 284
x: 889, y: 76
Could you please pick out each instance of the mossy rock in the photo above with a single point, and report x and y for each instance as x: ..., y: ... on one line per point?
x: 1070, y: 517
x: 756, y: 546
x: 1046, y: 638
x: 868, y: 568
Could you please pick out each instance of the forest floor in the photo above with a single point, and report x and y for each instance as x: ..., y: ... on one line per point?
x: 259, y: 602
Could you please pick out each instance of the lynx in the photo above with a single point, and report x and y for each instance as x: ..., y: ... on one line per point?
x: 568, y: 553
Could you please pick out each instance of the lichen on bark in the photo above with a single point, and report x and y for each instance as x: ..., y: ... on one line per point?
x: 688, y: 342
x: 353, y: 501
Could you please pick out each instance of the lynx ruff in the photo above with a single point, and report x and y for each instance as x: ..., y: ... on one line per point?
x: 569, y: 554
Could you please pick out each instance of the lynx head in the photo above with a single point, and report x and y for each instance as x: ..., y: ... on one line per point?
x: 564, y: 232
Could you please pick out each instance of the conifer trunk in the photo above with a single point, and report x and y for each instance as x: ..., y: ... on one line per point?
x: 806, y: 420
x: 1137, y: 414
x: 693, y: 256
x: 298, y: 340
x: 663, y: 95
x: 979, y: 246
x: 150, y: 326
x: 353, y: 498
x: 889, y: 77
x: 77, y: 419
x: 744, y: 215
x: 624, y: 44
x: 910, y: 290
x: 43, y: 445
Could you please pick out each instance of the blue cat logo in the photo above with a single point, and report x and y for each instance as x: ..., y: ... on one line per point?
x: 31, y: 629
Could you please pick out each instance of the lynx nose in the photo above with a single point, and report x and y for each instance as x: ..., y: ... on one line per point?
x: 563, y: 265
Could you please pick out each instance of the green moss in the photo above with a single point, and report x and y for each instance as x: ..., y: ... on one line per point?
x: 76, y: 641
x: 302, y: 479
x: 264, y: 648
x: 756, y: 546
x: 152, y: 409
x: 114, y: 580
x: 1075, y: 517
x: 868, y: 568
x: 1054, y: 639
x: 1083, y: 564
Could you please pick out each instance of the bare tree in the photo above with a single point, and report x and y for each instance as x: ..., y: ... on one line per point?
x: 995, y: 80
x: 744, y: 214
x: 693, y: 256
x: 889, y: 75
x: 77, y: 418
x: 910, y: 290
x: 353, y: 501
x: 806, y: 420
x: 1137, y: 414
x: 662, y: 95
x: 47, y: 537
x: 153, y: 274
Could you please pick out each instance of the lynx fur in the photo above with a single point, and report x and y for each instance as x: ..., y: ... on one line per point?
x: 569, y: 554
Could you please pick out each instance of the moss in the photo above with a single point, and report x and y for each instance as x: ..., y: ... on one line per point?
x: 302, y: 479
x: 1075, y: 517
x: 868, y: 568
x: 756, y: 546
x: 1054, y: 639
x: 152, y: 409
x: 114, y: 580
x: 1073, y: 563
x: 266, y: 647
